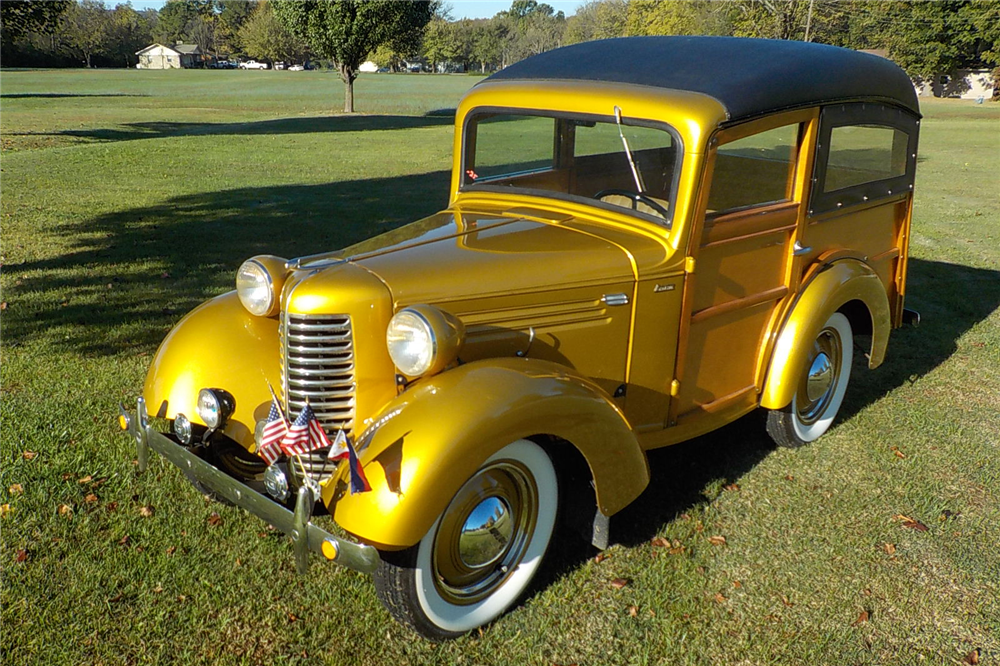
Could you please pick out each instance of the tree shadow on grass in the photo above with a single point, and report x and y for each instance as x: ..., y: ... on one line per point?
x: 133, y: 273
x: 316, y: 124
x: 61, y: 95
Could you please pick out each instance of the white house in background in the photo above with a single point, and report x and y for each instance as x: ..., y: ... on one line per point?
x: 962, y: 83
x: 368, y: 66
x: 158, y: 56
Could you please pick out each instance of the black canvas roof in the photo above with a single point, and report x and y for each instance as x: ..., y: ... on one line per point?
x: 748, y: 76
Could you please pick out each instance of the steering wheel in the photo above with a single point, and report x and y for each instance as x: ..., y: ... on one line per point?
x: 635, y: 198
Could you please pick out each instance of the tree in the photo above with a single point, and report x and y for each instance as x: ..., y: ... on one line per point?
x: 598, y: 19
x: 86, y: 30
x: 697, y: 17
x: 265, y: 37
x: 178, y: 18
x: 129, y: 31
x: 347, y: 32
x: 231, y: 17
x: 19, y: 17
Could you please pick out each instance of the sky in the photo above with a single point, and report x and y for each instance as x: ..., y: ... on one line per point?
x: 459, y: 8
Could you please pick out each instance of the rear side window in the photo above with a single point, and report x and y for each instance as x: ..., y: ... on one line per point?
x: 754, y: 170
x: 862, y: 154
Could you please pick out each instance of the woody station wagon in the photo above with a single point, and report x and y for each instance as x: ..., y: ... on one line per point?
x: 646, y: 239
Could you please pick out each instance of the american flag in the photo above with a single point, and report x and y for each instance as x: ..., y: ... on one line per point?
x: 304, y: 435
x: 274, y: 430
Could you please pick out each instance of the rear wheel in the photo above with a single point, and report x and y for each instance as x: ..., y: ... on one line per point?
x: 481, y: 553
x: 821, y: 387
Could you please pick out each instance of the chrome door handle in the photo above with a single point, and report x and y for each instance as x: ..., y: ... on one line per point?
x: 798, y: 250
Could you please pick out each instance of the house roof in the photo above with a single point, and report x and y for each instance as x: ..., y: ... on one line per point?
x: 187, y: 49
x: 749, y: 77
x: 153, y: 46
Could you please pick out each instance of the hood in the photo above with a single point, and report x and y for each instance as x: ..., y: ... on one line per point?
x: 459, y: 255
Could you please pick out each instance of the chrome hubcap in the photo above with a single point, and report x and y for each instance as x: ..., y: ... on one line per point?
x: 819, y: 383
x: 484, y: 533
x: 820, y: 377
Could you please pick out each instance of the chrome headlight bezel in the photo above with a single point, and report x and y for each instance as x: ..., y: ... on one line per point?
x: 259, y: 281
x: 423, y: 340
x: 215, y: 406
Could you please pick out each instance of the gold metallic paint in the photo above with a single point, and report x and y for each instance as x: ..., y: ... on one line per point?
x: 833, y: 286
x: 447, y: 425
x: 209, y: 348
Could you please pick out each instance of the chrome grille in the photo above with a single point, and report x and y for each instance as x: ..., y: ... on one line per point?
x: 318, y: 362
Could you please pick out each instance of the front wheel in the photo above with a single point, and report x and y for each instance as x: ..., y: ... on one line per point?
x: 481, y: 553
x: 821, y: 387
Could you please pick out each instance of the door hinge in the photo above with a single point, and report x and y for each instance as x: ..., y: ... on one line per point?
x: 675, y: 388
x: 689, y: 265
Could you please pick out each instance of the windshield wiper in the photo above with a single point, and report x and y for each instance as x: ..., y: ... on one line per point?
x: 635, y: 172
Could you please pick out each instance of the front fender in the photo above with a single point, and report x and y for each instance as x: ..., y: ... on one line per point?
x: 436, y: 435
x: 217, y: 345
x: 842, y: 281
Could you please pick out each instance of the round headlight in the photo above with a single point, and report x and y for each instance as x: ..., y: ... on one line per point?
x: 423, y: 339
x: 215, y: 406
x: 258, y: 284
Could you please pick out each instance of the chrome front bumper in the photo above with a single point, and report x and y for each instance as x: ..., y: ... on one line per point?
x: 305, y: 535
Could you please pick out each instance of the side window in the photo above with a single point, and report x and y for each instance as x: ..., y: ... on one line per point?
x: 862, y: 154
x: 755, y: 170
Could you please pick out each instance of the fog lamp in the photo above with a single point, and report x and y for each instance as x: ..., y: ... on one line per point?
x: 182, y: 428
x: 276, y: 482
x: 215, y: 406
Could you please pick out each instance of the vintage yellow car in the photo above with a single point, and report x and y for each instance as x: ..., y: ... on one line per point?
x: 646, y: 239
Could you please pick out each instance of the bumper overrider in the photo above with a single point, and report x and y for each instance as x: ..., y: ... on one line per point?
x: 304, y: 534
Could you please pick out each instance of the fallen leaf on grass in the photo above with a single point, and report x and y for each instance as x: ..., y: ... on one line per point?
x: 720, y: 598
x: 28, y: 455
x: 21, y: 556
x: 732, y: 487
x: 215, y: 519
x: 789, y: 477
x: 111, y: 506
x: 717, y: 540
x: 171, y: 550
x: 157, y: 589
x: 660, y: 542
x: 784, y: 600
x: 292, y: 617
x: 124, y: 540
x: 889, y: 548
x: 5, y: 510
x: 633, y: 611
x: 115, y: 599
x: 66, y: 476
x: 90, y: 498
x: 896, y: 452
x: 737, y: 584
x: 862, y: 618
x: 181, y: 597
x: 972, y: 659
x: 619, y: 583
x: 86, y: 479
x: 15, y: 489
x: 3, y: 306
x: 65, y: 510
x: 911, y: 523
x: 600, y: 557
x: 146, y: 511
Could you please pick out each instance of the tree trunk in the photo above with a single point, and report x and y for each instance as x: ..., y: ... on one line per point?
x: 349, y: 97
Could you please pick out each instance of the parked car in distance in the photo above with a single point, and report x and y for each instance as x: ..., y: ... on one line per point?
x: 253, y: 64
x: 296, y: 68
x: 280, y: 64
x: 636, y: 251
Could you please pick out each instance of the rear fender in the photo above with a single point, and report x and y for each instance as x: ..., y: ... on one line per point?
x: 829, y: 290
x: 217, y: 345
x: 433, y: 437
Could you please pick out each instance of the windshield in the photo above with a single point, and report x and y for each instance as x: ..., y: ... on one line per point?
x: 576, y: 157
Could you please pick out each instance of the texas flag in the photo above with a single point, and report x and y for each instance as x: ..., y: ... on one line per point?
x: 342, y: 448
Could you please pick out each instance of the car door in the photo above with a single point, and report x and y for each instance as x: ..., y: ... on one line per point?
x: 741, y: 264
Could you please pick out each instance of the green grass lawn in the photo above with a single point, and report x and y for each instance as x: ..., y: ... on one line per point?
x: 128, y: 197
